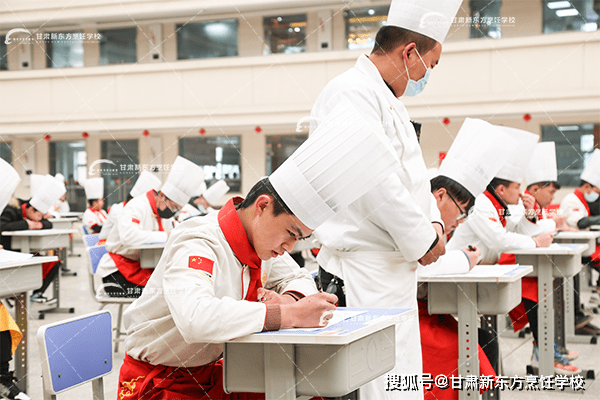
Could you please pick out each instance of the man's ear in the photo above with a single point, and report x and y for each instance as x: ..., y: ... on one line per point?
x: 439, y: 194
x: 534, y: 189
x: 261, y: 204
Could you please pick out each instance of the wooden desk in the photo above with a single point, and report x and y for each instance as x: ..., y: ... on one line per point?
x: 43, y: 239
x: 555, y: 261
x: 16, y: 279
x: 486, y: 289
x: 329, y: 362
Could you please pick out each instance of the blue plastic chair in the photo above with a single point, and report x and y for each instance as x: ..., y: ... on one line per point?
x: 76, y: 351
x: 90, y: 240
x: 95, y: 254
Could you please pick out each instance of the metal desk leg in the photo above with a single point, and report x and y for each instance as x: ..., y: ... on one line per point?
x: 280, y: 372
x: 560, y: 305
x: 57, y: 309
x: 468, y: 347
x: 22, y: 299
x: 489, y: 323
x: 545, y: 315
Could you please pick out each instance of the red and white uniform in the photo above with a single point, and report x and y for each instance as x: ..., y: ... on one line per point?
x: 139, y: 224
x: 92, y: 218
x: 574, y: 207
x: 486, y: 228
x: 198, y: 297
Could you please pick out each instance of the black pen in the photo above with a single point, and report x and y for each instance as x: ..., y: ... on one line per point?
x: 471, y: 248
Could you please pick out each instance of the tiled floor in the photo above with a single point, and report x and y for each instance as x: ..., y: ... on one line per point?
x: 75, y: 293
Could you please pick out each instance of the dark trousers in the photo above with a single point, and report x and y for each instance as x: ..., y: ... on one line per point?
x: 532, y: 316
x: 5, y: 351
x: 331, y: 284
x: 115, y: 285
x: 49, y: 278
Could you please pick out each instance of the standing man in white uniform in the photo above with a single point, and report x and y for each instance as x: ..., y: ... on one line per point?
x: 375, y: 243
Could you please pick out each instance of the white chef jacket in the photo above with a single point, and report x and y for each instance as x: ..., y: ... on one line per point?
x: 113, y: 216
x: 137, y: 225
x: 574, y: 209
x: 374, y: 243
x: 91, y: 217
x: 484, y: 230
x: 185, y: 314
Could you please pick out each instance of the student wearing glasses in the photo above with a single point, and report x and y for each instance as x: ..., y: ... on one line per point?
x: 146, y: 219
x: 474, y: 158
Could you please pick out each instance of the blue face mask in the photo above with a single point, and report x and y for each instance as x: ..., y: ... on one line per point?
x: 413, y: 88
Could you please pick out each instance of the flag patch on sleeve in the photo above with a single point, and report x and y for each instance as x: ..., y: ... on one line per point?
x: 202, y: 264
x: 135, y: 221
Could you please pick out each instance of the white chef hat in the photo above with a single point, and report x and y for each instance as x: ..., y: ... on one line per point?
x: 35, y: 181
x: 216, y: 191
x: 591, y: 172
x: 60, y: 178
x: 542, y: 166
x: 344, y: 158
x: 184, y: 181
x: 146, y: 181
x: 49, y: 192
x: 478, y: 152
x: 94, y: 188
x: 514, y: 169
x: 8, y: 184
x: 431, y: 18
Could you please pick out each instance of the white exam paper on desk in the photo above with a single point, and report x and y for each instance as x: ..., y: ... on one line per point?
x: 10, y: 256
x: 338, y: 316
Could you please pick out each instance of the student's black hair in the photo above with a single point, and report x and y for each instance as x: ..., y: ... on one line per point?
x: 455, y: 189
x: 543, y: 184
x: 582, y: 182
x: 264, y: 187
x: 497, y: 182
x: 91, y: 202
x: 129, y: 197
x: 28, y: 204
x: 389, y: 37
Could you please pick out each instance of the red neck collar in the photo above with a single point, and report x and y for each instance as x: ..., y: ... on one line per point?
x: 236, y: 235
x: 581, y: 198
x: 500, y: 208
x: 150, y: 195
x: 23, y: 207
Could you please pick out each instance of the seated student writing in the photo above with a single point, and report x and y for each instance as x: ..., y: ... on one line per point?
x: 477, y: 153
x: 210, y: 276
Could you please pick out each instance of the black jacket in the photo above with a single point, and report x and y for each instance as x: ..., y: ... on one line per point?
x: 12, y: 220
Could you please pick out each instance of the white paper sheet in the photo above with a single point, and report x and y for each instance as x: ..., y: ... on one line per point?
x: 338, y: 316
